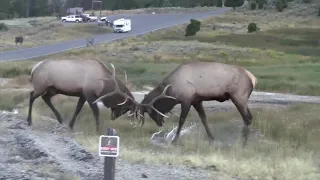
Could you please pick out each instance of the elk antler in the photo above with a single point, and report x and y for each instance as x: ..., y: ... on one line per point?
x: 162, y: 95
x: 117, y: 90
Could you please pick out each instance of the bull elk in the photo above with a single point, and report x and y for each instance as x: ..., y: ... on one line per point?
x: 86, y: 79
x: 192, y: 83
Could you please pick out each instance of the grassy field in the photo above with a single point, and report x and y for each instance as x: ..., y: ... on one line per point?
x: 284, y: 54
x: 45, y: 30
x: 150, y: 10
x: 283, y: 144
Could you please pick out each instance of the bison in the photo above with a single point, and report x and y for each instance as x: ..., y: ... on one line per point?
x: 86, y: 79
x: 194, y: 82
x: 19, y: 39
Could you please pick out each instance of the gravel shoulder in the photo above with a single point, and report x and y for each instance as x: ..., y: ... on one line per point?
x: 51, y: 153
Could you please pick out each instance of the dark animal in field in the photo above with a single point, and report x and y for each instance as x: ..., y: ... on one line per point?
x: 89, y: 41
x: 86, y: 79
x: 190, y: 84
x: 19, y: 39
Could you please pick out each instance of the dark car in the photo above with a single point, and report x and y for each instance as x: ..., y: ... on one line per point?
x: 84, y: 18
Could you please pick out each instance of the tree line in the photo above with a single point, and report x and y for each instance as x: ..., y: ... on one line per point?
x: 33, y: 8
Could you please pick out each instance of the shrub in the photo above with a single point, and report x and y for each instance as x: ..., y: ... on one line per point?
x: 3, y: 16
x: 306, y: 1
x: 219, y: 3
x: 279, y: 5
x: 253, y: 5
x: 252, y: 27
x: 233, y: 3
x: 319, y: 12
x: 260, y: 5
x: 285, y: 3
x: 193, y: 27
x: 3, y: 27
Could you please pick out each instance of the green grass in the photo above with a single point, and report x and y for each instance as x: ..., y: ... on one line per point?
x: 297, y: 79
x: 153, y: 9
x: 284, y: 55
x: 10, y: 99
x: 279, y: 67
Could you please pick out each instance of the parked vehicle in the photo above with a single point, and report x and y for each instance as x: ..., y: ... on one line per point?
x: 122, y: 25
x: 103, y: 21
x: 85, y: 18
x: 91, y: 17
x: 72, y: 18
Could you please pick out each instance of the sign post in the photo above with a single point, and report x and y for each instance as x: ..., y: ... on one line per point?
x: 109, y: 149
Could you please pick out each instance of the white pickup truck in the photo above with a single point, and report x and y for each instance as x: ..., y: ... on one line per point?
x: 92, y: 18
x: 71, y: 18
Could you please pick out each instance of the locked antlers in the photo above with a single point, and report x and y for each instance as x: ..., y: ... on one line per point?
x: 162, y: 95
x: 117, y: 90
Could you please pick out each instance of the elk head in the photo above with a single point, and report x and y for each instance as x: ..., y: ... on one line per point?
x: 157, y: 114
x: 129, y: 104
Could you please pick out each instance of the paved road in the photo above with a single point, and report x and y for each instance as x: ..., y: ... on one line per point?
x: 141, y: 23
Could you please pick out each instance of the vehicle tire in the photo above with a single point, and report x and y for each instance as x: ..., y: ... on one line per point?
x: 64, y: 20
x: 77, y: 21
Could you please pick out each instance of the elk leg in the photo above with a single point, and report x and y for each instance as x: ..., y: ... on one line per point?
x: 80, y: 104
x: 199, y: 108
x: 185, y: 108
x: 31, y: 100
x: 95, y: 110
x: 242, y: 106
x: 47, y: 99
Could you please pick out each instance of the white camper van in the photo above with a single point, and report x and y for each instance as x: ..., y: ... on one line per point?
x: 122, y: 25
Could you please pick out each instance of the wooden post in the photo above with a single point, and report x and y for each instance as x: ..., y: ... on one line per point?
x: 110, y: 162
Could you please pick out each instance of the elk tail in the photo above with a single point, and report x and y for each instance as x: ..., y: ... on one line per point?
x: 33, y: 69
x: 253, y: 78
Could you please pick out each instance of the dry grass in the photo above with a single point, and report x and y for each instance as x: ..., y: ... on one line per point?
x: 11, y: 99
x: 150, y: 10
x: 284, y: 143
x: 45, y: 31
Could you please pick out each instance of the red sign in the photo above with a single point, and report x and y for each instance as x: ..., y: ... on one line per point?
x: 109, y: 148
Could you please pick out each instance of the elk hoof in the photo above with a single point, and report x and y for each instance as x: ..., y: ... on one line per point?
x: 247, y: 123
x: 71, y: 126
x: 174, y: 142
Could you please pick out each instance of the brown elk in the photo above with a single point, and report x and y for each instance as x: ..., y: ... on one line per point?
x: 85, y: 79
x: 192, y: 83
